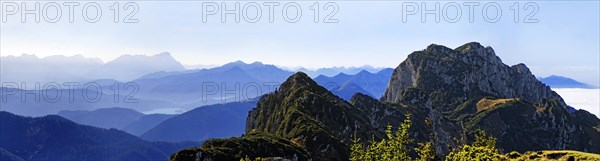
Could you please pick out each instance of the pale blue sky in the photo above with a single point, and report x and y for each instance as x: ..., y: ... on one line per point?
x: 565, y: 41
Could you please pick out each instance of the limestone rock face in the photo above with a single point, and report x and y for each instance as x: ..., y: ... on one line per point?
x: 470, y: 70
x: 523, y: 113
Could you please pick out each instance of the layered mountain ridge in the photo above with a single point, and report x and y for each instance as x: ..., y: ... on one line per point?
x: 345, y: 85
x: 55, y: 138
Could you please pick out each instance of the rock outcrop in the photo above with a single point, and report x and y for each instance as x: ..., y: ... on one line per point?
x: 468, y: 71
x: 451, y: 83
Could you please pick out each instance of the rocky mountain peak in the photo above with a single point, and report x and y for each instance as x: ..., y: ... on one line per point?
x: 310, y: 116
x: 468, y: 71
x: 451, y: 83
x: 296, y: 81
x: 469, y: 47
x: 521, y: 68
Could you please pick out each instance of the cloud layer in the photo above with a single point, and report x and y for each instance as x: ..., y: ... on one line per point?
x: 587, y: 99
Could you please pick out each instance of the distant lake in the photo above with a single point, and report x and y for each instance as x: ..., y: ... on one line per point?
x: 587, y: 99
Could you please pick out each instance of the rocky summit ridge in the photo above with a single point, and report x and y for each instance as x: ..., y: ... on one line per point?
x: 470, y: 70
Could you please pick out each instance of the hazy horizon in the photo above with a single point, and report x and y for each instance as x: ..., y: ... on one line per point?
x: 561, y: 40
x: 282, y: 66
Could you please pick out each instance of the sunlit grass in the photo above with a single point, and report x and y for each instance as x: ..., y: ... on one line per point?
x: 562, y: 155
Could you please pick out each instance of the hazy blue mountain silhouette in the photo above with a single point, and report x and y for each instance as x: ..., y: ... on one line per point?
x: 165, y: 90
x: 31, y: 69
x: 50, y: 103
x: 263, y: 72
x: 170, y: 90
x: 165, y: 74
x: 115, y: 117
x: 55, y: 138
x: 129, y: 67
x: 145, y: 123
x: 206, y: 122
x: 344, y: 85
x: 77, y: 68
x: 125, y: 119
x: 332, y: 71
x: 555, y: 81
x: 234, y: 81
x: 349, y: 89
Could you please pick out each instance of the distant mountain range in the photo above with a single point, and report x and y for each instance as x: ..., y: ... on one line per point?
x: 31, y: 69
x: 56, y: 138
x: 175, y: 90
x: 555, y: 81
x: 236, y: 81
x: 332, y: 71
x: 125, y: 68
x: 129, y: 67
x: 345, y: 86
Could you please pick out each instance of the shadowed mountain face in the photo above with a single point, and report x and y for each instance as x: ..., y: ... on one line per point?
x: 56, y: 138
x: 449, y: 92
x: 105, y: 118
x: 145, y: 123
x: 202, y: 123
x: 124, y: 119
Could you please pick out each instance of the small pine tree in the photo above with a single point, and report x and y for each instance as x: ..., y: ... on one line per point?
x: 484, y: 148
x: 425, y: 151
x: 356, y: 150
x: 395, y: 148
x: 482, y: 140
x: 392, y: 148
x: 246, y: 158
